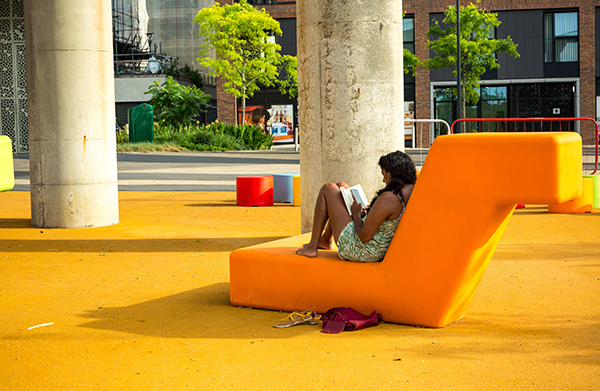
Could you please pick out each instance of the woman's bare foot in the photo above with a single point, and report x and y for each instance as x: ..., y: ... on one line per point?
x: 323, y: 245
x: 307, y: 251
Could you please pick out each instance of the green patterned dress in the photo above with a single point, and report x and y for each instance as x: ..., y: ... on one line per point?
x: 351, y: 248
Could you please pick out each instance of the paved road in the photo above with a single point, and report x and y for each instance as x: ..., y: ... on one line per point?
x: 192, y: 171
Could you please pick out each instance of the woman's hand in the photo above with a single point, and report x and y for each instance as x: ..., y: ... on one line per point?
x: 355, y: 208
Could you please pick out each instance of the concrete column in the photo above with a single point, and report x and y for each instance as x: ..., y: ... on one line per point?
x: 351, y: 93
x: 70, y: 97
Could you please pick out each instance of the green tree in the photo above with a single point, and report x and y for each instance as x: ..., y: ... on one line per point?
x: 477, y: 50
x: 185, y: 73
x: 175, y: 104
x: 244, y: 55
x: 410, y: 62
x: 289, y: 85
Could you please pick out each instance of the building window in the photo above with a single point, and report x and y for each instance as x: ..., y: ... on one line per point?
x: 561, y: 37
x: 493, y: 103
x: 408, y: 33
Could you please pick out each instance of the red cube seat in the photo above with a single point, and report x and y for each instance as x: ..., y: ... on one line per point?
x: 254, y: 190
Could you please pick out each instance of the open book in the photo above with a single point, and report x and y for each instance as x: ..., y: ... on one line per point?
x: 358, y: 193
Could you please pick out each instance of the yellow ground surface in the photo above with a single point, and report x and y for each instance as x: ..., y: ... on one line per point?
x: 144, y: 305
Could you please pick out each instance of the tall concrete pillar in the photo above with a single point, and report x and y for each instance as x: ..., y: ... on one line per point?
x: 351, y: 93
x: 70, y: 97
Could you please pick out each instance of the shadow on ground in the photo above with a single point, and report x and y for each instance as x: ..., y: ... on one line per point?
x: 149, y: 245
x: 15, y: 223
x: 207, y: 313
x: 200, y: 313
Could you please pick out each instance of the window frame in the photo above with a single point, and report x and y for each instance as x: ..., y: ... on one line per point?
x: 551, y: 55
x: 411, y: 44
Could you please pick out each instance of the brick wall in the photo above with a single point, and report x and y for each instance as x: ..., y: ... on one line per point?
x: 587, y: 64
x: 226, y: 103
x: 280, y: 11
x: 422, y: 8
x: 422, y: 93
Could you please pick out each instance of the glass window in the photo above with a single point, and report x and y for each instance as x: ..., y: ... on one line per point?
x: 493, y: 103
x: 491, y: 93
x: 408, y: 33
x: 445, y: 111
x: 561, y: 37
x: 444, y: 95
x: 492, y: 33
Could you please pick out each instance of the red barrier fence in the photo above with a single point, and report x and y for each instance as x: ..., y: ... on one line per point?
x: 586, y: 127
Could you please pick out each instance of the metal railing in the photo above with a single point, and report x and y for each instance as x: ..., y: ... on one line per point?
x: 429, y: 121
x: 554, y: 124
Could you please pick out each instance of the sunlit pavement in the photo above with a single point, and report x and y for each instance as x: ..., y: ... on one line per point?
x: 144, y: 305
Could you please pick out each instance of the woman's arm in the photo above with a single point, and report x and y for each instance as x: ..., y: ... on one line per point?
x: 386, y: 205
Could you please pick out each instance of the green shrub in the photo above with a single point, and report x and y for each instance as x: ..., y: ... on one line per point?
x: 251, y: 136
x: 213, y: 137
x: 227, y: 142
x: 161, y: 133
x: 175, y: 105
x: 122, y: 136
x: 203, y: 137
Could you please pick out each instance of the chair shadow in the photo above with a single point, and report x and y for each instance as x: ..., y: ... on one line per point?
x: 233, y: 203
x: 543, y: 209
x: 213, y: 204
x: 132, y: 245
x: 200, y: 313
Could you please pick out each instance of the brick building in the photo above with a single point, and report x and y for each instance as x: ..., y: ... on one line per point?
x: 555, y: 76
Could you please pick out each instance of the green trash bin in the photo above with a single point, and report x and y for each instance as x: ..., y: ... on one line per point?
x: 141, y: 123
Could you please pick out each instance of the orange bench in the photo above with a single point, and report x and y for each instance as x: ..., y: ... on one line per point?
x: 461, y: 204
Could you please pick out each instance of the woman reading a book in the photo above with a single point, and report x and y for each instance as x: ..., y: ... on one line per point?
x: 363, y: 239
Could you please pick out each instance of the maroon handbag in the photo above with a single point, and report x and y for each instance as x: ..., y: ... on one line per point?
x: 339, y: 319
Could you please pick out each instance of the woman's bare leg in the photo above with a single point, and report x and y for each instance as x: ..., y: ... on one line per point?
x: 326, y: 241
x: 329, y: 206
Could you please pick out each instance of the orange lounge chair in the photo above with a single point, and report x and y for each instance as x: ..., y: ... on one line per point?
x: 461, y: 204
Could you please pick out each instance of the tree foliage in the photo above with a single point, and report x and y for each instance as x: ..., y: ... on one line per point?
x: 410, y: 62
x: 289, y: 85
x: 244, y: 55
x: 174, y: 104
x: 185, y: 73
x: 477, y: 50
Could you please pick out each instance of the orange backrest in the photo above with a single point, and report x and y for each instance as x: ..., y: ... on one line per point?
x: 464, y: 196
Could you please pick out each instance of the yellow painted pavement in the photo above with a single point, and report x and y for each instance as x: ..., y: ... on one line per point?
x: 144, y: 305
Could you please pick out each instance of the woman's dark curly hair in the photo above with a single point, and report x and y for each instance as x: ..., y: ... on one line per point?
x: 403, y: 171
